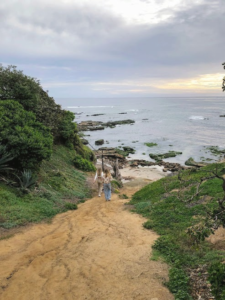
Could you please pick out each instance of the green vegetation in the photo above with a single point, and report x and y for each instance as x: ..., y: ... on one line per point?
x: 116, y: 184
x: 151, y: 144
x: 83, y: 164
x: 184, y: 210
x: 58, y: 183
x: 217, y: 279
x: 123, y: 196
x: 39, y: 146
x: 26, y: 140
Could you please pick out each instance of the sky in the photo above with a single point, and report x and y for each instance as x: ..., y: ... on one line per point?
x: 116, y: 48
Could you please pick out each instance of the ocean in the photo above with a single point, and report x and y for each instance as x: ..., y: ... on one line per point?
x: 189, y: 125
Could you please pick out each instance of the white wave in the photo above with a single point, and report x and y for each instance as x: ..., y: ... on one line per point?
x: 196, y: 118
x: 87, y: 106
x: 133, y: 109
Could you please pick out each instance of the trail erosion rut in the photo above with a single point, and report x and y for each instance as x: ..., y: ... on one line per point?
x: 99, y: 252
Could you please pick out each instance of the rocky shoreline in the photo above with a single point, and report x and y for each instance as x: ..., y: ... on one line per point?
x: 109, y: 155
x: 98, y: 125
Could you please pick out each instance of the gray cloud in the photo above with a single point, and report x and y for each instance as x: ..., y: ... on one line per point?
x: 88, y: 43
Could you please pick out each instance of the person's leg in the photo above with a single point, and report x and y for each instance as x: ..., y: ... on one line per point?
x: 99, y: 188
x: 105, y: 191
x: 109, y: 193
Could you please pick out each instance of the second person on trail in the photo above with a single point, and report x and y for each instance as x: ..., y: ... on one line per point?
x: 100, y: 179
x: 107, y: 185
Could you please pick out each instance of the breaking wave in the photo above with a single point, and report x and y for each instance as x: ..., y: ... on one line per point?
x: 196, y: 118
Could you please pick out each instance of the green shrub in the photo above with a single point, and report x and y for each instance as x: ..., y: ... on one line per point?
x: 28, y: 92
x: 17, y: 86
x: 70, y: 206
x: 26, y: 180
x: 5, y: 157
x: 148, y: 224
x: 116, y: 184
x: 67, y: 128
x: 83, y: 164
x: 27, y: 140
x: 217, y: 280
x: 88, y: 153
x: 178, y: 284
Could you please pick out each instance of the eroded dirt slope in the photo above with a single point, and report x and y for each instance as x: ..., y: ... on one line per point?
x: 99, y: 252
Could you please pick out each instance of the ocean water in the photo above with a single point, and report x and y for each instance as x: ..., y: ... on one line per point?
x: 188, y: 125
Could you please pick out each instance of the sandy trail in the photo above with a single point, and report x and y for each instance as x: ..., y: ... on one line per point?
x: 99, y: 252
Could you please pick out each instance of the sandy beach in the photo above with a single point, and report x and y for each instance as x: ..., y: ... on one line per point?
x: 128, y: 173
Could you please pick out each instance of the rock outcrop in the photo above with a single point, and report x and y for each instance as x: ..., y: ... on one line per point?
x: 97, y: 125
x: 159, y: 157
x: 99, y: 142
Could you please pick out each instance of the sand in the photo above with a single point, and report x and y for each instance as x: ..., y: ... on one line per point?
x: 99, y: 252
x: 151, y: 173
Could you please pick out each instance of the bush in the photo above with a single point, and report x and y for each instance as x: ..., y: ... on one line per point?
x: 28, y: 92
x: 4, y: 159
x: 70, y: 206
x: 67, y: 128
x: 17, y: 86
x: 148, y: 224
x: 217, y: 280
x: 83, y: 164
x: 116, y: 184
x: 178, y: 284
x: 26, y: 180
x: 27, y: 140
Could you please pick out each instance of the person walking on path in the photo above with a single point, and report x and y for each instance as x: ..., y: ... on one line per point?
x: 100, y: 179
x: 107, y: 185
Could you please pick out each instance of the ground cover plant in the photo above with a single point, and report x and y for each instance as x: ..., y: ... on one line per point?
x: 59, y: 187
x: 184, y: 210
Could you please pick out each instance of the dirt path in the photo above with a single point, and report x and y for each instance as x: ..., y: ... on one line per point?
x: 99, y: 252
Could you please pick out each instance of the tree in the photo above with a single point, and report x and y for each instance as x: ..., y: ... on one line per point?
x: 27, y: 91
x: 14, y: 85
x: 27, y: 140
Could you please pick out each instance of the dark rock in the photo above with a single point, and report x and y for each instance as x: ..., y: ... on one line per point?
x: 99, y: 142
x: 151, y: 144
x: 222, y: 115
x: 97, y: 125
x: 129, y: 149
x: 215, y: 150
x: 84, y: 141
x: 122, y: 122
x: 96, y: 128
x: 124, y: 113
x: 192, y: 163
x: 159, y: 157
x: 95, y: 115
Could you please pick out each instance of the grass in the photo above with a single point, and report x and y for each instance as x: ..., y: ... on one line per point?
x: 170, y: 218
x: 60, y: 186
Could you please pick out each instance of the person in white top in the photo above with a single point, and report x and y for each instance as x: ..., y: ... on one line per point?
x: 100, y: 179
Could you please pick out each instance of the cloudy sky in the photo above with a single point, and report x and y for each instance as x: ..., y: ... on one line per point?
x: 116, y: 48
